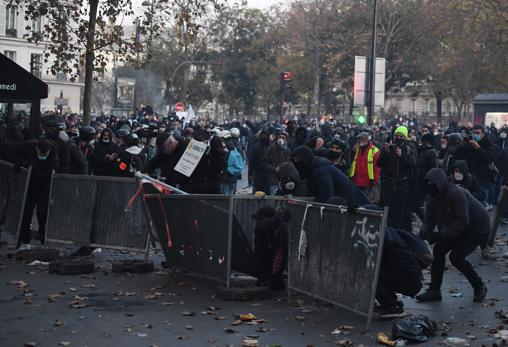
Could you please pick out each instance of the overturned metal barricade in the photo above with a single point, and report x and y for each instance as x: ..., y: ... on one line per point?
x: 13, y: 191
x: 92, y: 211
x: 194, y: 231
x: 336, y: 256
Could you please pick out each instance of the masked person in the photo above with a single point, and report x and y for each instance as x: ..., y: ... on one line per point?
x: 364, y: 170
x: 462, y: 225
x: 81, y: 150
x: 255, y: 167
x: 132, y: 158
x: 396, y: 164
x: 105, y: 154
x: 427, y: 161
x: 42, y: 156
x: 290, y: 182
x: 464, y: 179
x: 53, y: 126
x: 275, y: 155
x: 338, y: 154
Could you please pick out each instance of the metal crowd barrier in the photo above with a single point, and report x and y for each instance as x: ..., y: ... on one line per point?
x: 92, y: 211
x: 13, y: 191
x: 194, y: 231
x: 335, y: 256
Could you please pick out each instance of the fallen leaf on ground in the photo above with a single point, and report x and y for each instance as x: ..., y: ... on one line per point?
x: 250, y: 343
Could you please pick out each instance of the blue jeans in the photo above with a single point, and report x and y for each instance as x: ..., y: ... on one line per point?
x: 228, y: 188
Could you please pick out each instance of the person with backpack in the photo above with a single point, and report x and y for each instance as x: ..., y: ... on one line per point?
x: 235, y: 164
x: 276, y: 154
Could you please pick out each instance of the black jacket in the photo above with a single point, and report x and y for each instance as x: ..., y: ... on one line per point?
x: 79, y: 163
x: 455, y: 212
x: 395, y: 167
x: 101, y: 165
x: 326, y: 181
x: 167, y: 162
x: 426, y: 162
x: 479, y: 159
x: 40, y: 179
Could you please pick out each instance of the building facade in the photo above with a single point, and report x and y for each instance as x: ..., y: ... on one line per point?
x: 30, y: 56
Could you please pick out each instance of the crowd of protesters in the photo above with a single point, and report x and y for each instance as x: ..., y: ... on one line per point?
x: 447, y: 176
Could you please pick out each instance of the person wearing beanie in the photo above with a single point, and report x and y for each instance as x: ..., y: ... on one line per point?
x: 338, y: 154
x: 397, y: 163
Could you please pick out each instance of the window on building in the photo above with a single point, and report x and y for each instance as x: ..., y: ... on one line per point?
x: 11, y: 55
x: 36, y: 65
x: 61, y: 76
x: 37, y: 25
x: 10, y: 22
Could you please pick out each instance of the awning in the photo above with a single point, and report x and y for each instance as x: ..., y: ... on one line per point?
x: 18, y: 84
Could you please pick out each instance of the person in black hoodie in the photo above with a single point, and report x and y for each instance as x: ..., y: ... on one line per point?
x: 299, y: 139
x: 105, y: 154
x: 427, y: 161
x: 462, y: 225
x: 42, y: 156
x: 325, y: 180
x: 290, y: 182
x: 466, y: 180
x: 255, y: 167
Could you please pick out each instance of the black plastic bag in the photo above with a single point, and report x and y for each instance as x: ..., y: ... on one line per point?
x: 416, y: 329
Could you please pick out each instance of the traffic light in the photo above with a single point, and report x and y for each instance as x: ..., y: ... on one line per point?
x: 361, y: 119
x: 286, y: 79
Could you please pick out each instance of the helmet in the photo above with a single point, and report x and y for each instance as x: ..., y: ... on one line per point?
x: 454, y: 139
x: 131, y: 140
x: 122, y: 133
x: 225, y: 134
x: 87, y: 133
x: 235, y: 133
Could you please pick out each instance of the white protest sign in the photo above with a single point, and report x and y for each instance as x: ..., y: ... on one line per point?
x: 190, y: 116
x: 191, y: 157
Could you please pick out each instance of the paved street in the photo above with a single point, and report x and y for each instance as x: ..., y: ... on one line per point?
x: 164, y: 308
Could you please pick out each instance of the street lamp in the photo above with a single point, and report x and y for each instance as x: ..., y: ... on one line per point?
x: 372, y: 81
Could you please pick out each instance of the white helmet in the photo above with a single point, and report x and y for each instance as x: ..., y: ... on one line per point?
x: 225, y: 134
x: 235, y: 133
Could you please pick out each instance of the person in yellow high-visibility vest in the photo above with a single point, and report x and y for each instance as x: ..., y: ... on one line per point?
x: 364, y: 172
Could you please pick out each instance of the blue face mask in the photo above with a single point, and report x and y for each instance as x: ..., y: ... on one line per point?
x: 42, y: 157
x: 477, y: 137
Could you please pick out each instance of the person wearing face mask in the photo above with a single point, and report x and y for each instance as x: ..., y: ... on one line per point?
x: 503, y: 139
x: 462, y: 225
x: 276, y: 154
x: 105, y: 154
x: 299, y: 139
x: 256, y: 171
x: 338, y: 154
x: 462, y: 178
x: 290, y: 182
x: 480, y: 160
x: 453, y: 151
x: 42, y: 156
x: 397, y: 164
x: 364, y: 171
x: 53, y: 126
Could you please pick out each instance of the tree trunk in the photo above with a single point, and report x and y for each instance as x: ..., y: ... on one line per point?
x: 89, y: 61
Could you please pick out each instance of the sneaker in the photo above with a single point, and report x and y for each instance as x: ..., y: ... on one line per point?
x: 392, y: 313
x: 429, y: 295
x: 23, y: 246
x: 378, y: 308
x: 82, y: 252
x: 480, y: 293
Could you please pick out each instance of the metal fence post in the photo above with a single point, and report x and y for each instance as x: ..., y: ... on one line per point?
x: 378, y: 265
x: 230, y: 240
